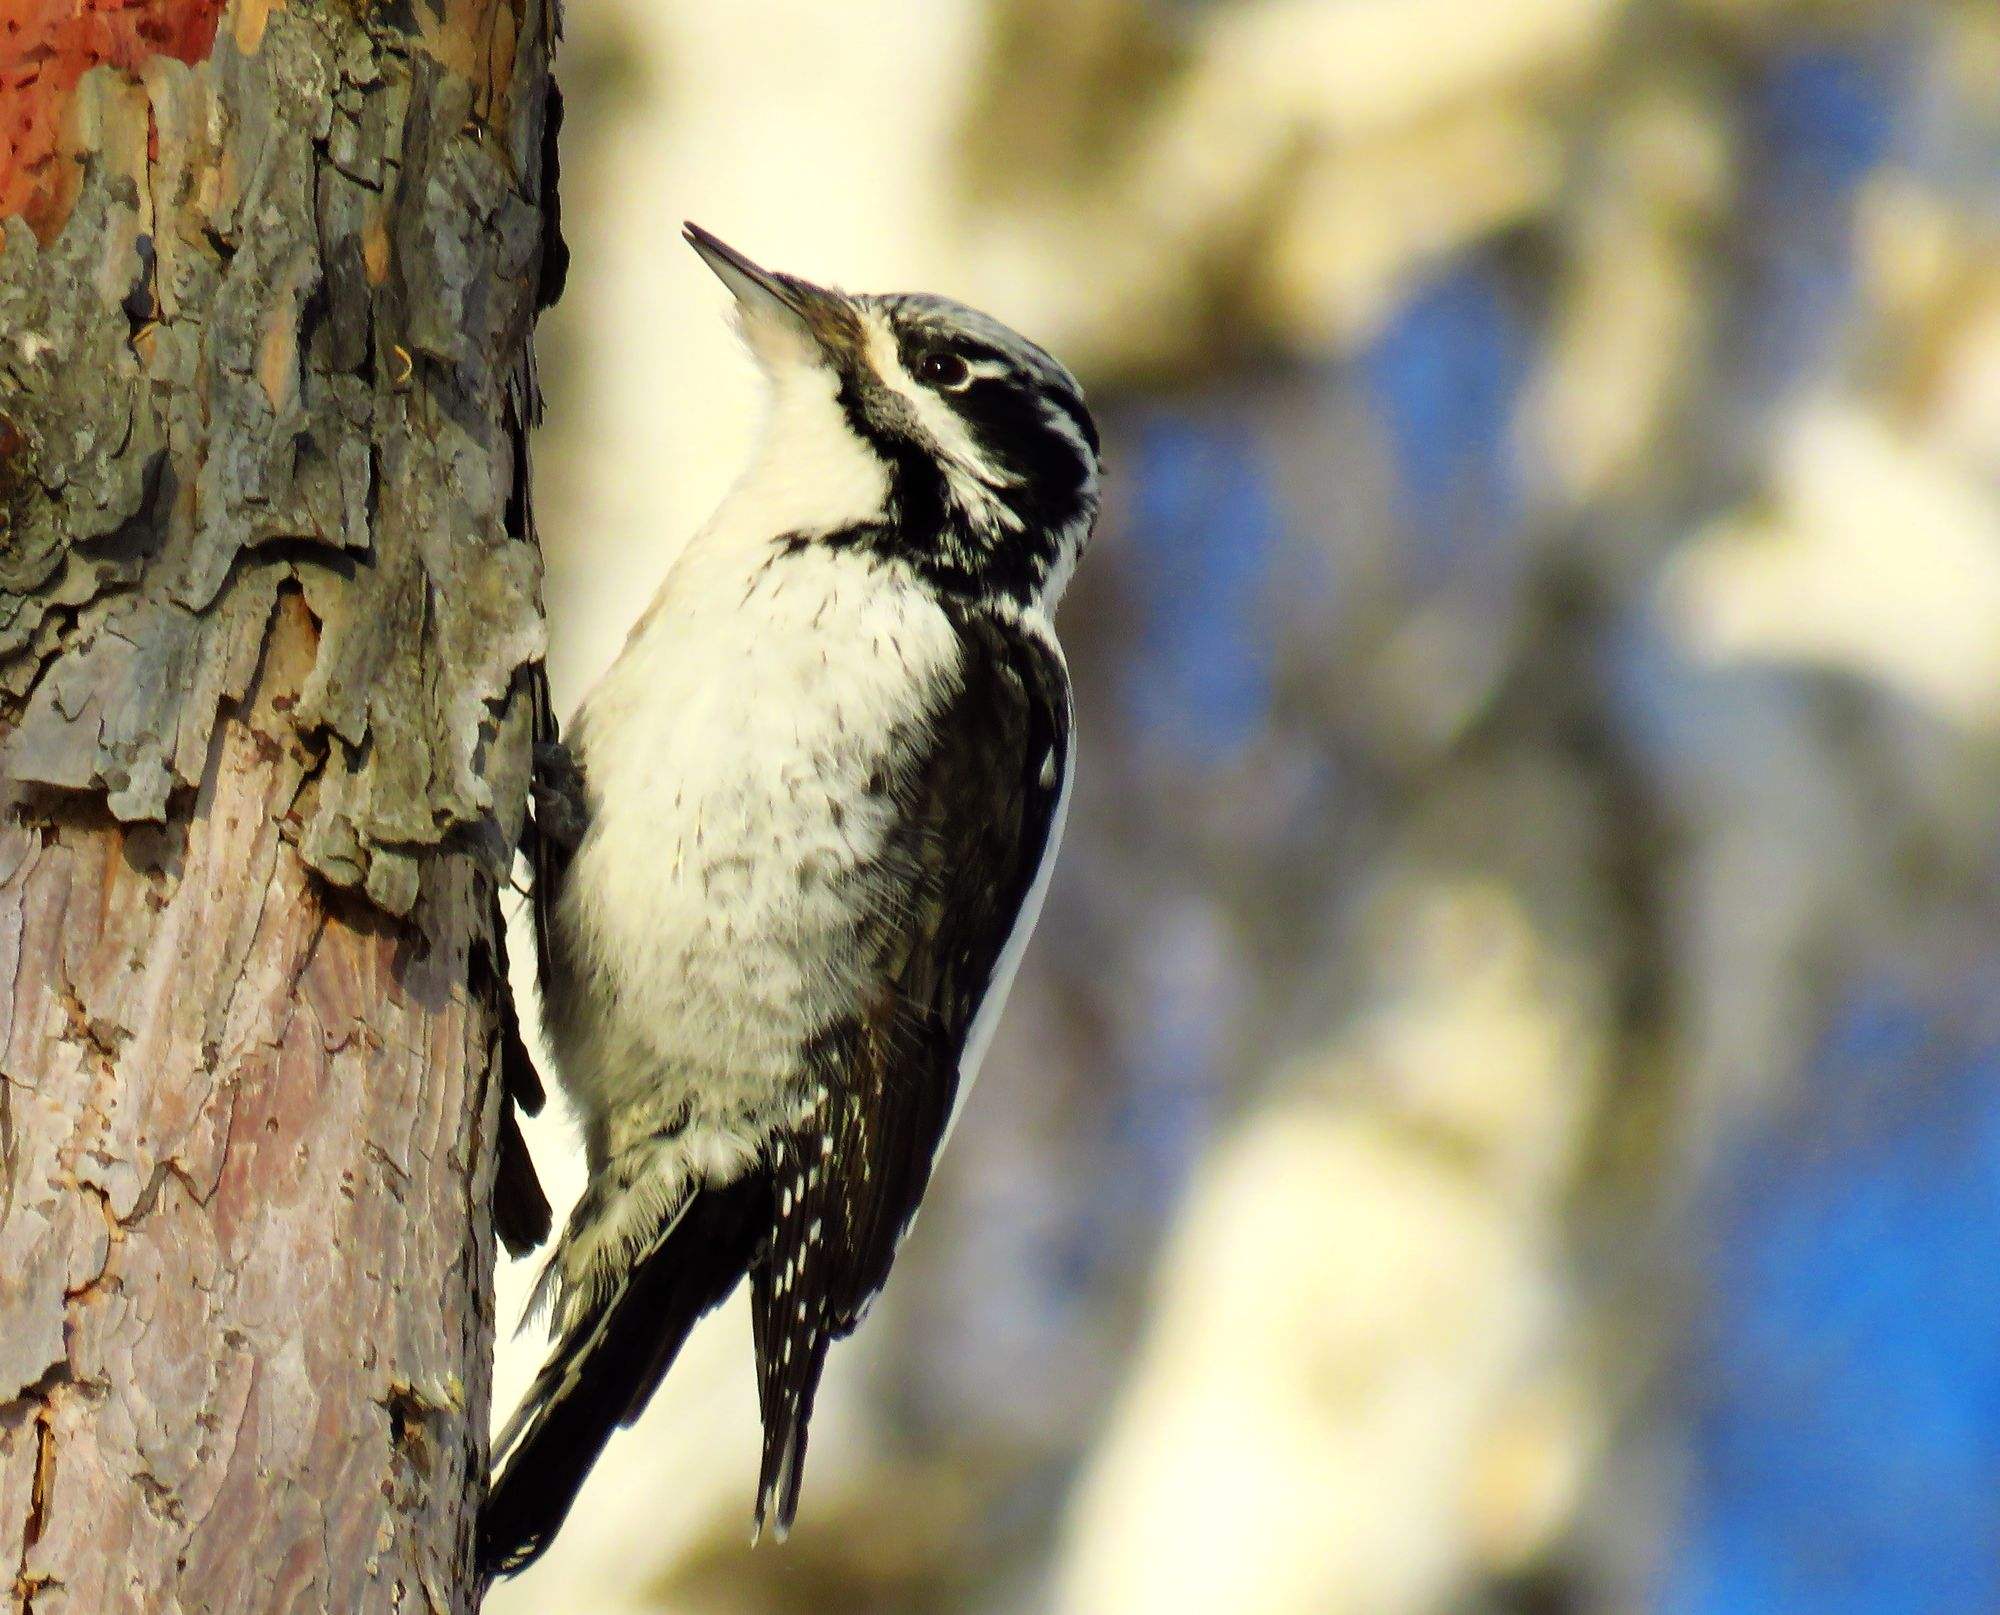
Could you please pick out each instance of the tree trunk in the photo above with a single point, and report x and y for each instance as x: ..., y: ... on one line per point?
x: 269, y: 630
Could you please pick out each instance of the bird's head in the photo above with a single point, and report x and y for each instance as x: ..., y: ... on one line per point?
x: 988, y: 450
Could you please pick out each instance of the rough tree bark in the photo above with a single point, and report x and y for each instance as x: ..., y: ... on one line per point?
x: 269, y: 636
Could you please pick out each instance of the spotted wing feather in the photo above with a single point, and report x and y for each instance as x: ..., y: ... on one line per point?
x: 980, y: 823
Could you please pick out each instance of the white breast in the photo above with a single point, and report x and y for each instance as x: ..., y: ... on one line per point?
x: 729, y: 755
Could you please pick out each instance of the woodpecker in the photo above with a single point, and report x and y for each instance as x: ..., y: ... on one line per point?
x: 789, y: 859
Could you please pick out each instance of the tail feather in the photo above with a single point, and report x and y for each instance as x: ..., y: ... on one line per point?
x: 607, y: 1367
x: 791, y: 1355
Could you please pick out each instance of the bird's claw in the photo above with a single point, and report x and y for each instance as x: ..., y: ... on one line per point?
x: 557, y: 791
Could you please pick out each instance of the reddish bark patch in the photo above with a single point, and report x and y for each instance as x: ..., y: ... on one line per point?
x: 45, y: 47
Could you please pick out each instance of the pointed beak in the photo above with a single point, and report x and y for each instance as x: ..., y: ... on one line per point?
x: 755, y: 287
x: 765, y: 295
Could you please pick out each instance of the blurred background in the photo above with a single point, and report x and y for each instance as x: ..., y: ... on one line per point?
x: 1503, y: 1111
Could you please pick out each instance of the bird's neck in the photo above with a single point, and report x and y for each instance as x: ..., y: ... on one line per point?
x: 809, y: 474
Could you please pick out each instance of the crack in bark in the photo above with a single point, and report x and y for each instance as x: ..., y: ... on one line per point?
x: 113, y: 1236
x: 101, y: 1040
x: 165, y: 1168
x: 43, y: 1392
x: 9, y: 1149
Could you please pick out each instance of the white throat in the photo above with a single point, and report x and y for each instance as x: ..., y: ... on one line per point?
x: 810, y: 472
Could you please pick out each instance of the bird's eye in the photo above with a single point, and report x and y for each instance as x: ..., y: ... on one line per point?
x: 943, y: 369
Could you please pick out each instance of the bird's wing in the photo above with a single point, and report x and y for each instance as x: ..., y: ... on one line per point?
x: 960, y: 889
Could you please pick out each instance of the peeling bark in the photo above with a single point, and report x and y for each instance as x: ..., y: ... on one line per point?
x: 269, y: 643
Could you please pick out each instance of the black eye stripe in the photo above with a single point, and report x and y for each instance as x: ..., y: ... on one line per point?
x: 1010, y: 419
x: 976, y: 352
x: 995, y: 392
x: 915, y: 341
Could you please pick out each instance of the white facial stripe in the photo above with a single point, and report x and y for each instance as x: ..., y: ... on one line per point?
x: 973, y: 480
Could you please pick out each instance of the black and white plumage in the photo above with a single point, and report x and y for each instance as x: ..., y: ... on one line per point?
x: 791, y: 857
